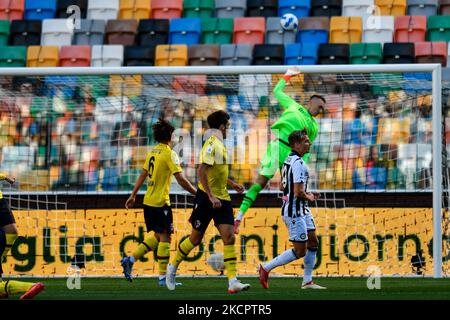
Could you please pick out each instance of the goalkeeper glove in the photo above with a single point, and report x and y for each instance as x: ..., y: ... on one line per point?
x: 292, y: 71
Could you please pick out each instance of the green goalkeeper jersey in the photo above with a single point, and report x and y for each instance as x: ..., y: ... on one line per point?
x: 294, y: 117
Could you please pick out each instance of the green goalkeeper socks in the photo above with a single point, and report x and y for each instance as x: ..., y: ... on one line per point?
x: 250, y: 197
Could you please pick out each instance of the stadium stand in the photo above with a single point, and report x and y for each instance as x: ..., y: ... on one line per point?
x: 410, y: 28
x: 301, y: 53
x: 313, y: 30
x: 107, y: 56
x: 198, y: 9
x: 90, y: 33
x: 262, y: 8
x: 422, y: 7
x: 236, y: 54
x: 134, y: 9
x: 366, y: 53
x: 40, y: 9
x: 230, y: 8
x: 12, y: 10
x: 167, y: 9
x: 75, y: 56
x: 204, y: 55
x: 249, y: 30
x: 185, y: 31
x: 275, y: 34
x: 62, y: 7
x: 43, y: 56
x: 345, y: 29
x: 103, y: 9
x: 299, y: 8
x: 25, y: 32
x: 217, y: 31
x: 268, y: 54
x: 121, y: 32
x: 171, y: 55
x: 13, y: 56
x: 152, y: 32
x: 55, y: 32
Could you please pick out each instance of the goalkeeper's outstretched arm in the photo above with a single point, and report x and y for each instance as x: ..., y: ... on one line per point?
x: 284, y: 100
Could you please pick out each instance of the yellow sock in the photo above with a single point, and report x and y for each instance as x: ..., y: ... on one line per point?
x: 149, y: 244
x: 182, y: 252
x: 163, y: 255
x: 10, y: 239
x: 13, y: 287
x: 229, y: 259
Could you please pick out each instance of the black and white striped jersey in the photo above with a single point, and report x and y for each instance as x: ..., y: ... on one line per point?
x: 294, y: 171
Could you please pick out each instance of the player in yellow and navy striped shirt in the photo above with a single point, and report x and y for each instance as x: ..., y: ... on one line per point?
x: 212, y: 202
x: 160, y: 165
x: 8, y: 235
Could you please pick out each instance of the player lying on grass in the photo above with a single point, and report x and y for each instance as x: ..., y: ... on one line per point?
x: 212, y: 202
x: 296, y: 214
x: 8, y: 235
x: 161, y: 163
x: 294, y: 117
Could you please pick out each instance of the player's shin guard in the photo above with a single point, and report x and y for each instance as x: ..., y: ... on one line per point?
x: 182, y: 252
x: 250, y: 197
x: 10, y: 239
x: 163, y: 255
x: 229, y: 259
x: 308, y: 261
x: 149, y: 244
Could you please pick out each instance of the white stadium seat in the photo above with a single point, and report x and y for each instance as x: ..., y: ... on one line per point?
x: 103, y: 9
x: 107, y: 56
x: 378, y: 29
x: 56, y: 32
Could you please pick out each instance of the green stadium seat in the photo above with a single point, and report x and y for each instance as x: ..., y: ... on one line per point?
x: 366, y: 53
x: 217, y: 31
x: 13, y: 56
x: 198, y: 8
x: 380, y: 78
x: 438, y: 28
x: 4, y: 32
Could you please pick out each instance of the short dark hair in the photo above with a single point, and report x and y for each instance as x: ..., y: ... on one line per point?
x: 162, y: 130
x: 318, y: 96
x: 296, y: 137
x: 218, y: 118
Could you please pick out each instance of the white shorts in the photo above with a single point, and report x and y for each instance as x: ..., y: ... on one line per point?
x: 299, y: 227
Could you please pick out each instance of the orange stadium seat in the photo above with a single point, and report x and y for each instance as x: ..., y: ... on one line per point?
x: 171, y: 55
x: 193, y: 84
x: 42, y: 56
x: 345, y: 29
x: 167, y: 9
x: 121, y: 32
x: 75, y: 56
x: 391, y: 7
x: 431, y: 52
x: 12, y: 10
x: 249, y: 30
x: 135, y: 9
x: 410, y: 28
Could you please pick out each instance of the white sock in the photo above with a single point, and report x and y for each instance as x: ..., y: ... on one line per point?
x: 309, y: 261
x: 162, y: 277
x: 282, y: 259
x: 231, y: 281
x: 132, y: 259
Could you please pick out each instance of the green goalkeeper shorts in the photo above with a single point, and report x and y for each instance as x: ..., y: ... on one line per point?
x: 276, y: 153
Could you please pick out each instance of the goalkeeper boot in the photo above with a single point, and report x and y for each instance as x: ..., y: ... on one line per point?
x: 237, y: 286
x: 33, y: 291
x: 263, y: 277
x: 312, y: 285
x: 127, y: 266
x: 170, y: 277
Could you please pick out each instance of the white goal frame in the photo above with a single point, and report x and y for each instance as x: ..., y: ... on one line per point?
x: 434, y: 69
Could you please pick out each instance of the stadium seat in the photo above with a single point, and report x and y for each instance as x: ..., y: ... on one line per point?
x: 139, y: 56
x: 422, y: 7
x: 217, y: 31
x: 313, y: 30
x: 275, y: 34
x: 236, y: 55
x: 268, y: 54
x: 448, y: 59
x: 90, y: 33
x: 198, y: 8
x: 152, y: 32
x: 249, y: 30
x: 299, y: 8
x: 103, y: 9
x: 345, y: 29
x: 357, y: 8
x: 63, y: 5
x: 110, y: 181
x: 333, y: 53
x: 262, y: 8
x: 75, y: 56
x: 438, y: 28
x: 230, y: 8
x: 391, y: 7
x: 366, y: 53
x: 204, y: 55
x: 370, y: 178
x: 301, y: 53
x: 13, y: 56
x: 171, y: 55
x: 12, y: 10
x: 378, y: 29
x: 25, y: 32
x: 167, y: 9
x: 42, y: 56
x: 107, y: 56
x: 185, y: 31
x: 121, y: 32
x: 39, y: 9
x: 398, y: 53
x: 410, y: 29
x: 431, y: 52
x: 326, y: 8
x: 55, y: 32
x: 4, y: 32
x: 444, y: 7
x: 134, y: 9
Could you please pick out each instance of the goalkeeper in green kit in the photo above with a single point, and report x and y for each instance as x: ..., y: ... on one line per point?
x: 294, y: 117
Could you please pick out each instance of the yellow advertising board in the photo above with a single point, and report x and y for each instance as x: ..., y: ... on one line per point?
x: 351, y: 240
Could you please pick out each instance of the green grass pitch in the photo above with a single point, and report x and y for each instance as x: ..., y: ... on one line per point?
x: 215, y: 288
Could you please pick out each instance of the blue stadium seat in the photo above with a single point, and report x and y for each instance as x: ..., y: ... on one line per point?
x: 185, y: 31
x: 416, y: 82
x: 64, y: 84
x: 299, y: 8
x: 39, y: 9
x: 301, y: 53
x: 313, y: 30
x: 374, y: 179
x: 110, y: 180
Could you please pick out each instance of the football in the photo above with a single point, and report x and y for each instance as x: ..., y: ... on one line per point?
x: 289, y: 22
x: 215, y: 261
